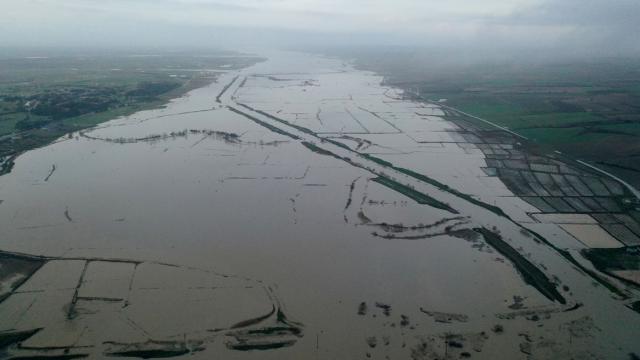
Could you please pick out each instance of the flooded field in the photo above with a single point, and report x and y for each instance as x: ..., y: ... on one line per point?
x: 298, y: 209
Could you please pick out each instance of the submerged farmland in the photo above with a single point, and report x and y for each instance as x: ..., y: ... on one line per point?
x: 298, y: 209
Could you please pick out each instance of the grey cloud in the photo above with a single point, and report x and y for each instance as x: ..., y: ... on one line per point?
x: 596, y: 25
x: 584, y: 13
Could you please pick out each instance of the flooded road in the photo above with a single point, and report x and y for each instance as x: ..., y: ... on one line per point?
x: 296, y: 209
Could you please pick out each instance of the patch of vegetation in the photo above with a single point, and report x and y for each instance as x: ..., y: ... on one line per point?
x: 419, y: 197
x: 338, y: 143
x: 11, y: 338
x: 231, y: 138
x: 297, y: 127
x: 610, y: 260
x: 449, y: 189
x: 635, y: 306
x: 437, y: 184
x: 264, y: 124
x: 599, y: 279
x: 627, y: 258
x: 149, y: 90
x: 378, y: 161
x: 584, y: 108
x: 150, y: 354
x: 529, y: 272
x: 43, y: 99
x: 321, y: 151
x: 317, y: 149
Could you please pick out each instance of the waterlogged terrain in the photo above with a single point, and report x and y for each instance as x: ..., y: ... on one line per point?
x: 297, y: 209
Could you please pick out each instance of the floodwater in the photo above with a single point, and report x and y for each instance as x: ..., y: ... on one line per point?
x: 208, y: 229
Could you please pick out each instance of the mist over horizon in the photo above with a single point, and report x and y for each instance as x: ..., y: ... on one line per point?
x: 320, y: 179
x: 522, y: 29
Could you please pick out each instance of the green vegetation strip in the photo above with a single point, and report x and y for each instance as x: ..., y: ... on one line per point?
x: 419, y: 197
x: 384, y: 163
x: 45, y: 99
x: 338, y: 143
x: 546, y: 287
x: 7, y: 165
x: 627, y: 258
x: 320, y: 150
x: 564, y: 253
x: 496, y: 210
x: 469, y: 198
x: 10, y: 338
x: 264, y: 124
x: 439, y: 185
x: 299, y: 128
x: 224, y: 90
x: 529, y: 272
x: 609, y: 260
x: 635, y: 306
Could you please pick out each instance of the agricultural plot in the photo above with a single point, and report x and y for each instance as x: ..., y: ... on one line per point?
x: 300, y: 209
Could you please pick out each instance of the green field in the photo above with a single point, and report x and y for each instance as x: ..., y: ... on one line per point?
x: 586, y: 108
x: 42, y: 99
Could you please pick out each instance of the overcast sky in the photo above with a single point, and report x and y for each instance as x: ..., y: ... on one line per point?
x: 594, y: 25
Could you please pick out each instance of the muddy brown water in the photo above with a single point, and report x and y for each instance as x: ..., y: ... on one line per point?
x: 185, y: 235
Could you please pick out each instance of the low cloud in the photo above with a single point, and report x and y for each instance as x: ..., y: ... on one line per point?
x: 595, y: 26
